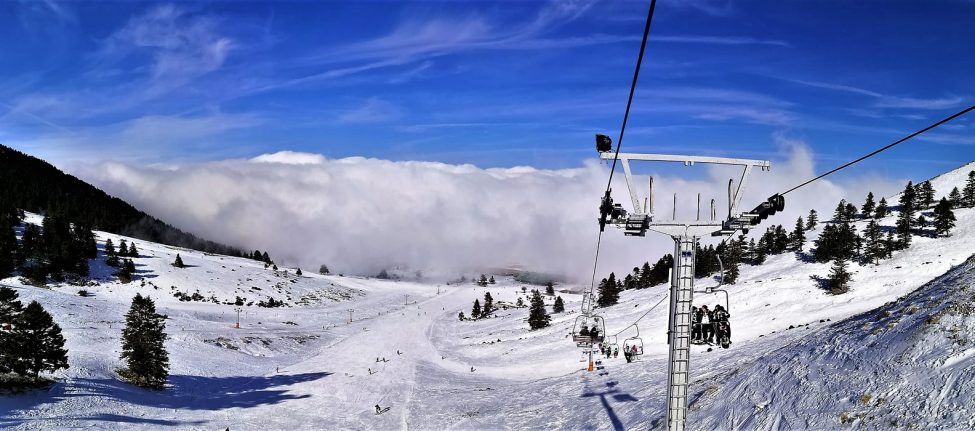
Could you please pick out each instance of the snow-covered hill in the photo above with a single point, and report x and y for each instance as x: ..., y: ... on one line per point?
x: 304, y: 366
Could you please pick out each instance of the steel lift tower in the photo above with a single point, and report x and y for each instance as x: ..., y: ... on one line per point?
x: 685, y: 234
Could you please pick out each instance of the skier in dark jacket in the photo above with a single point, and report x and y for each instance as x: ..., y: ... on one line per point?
x: 721, y: 316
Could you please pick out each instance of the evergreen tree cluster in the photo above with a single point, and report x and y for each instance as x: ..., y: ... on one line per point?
x: 30, y: 340
x: 478, y: 311
x: 143, y: 345
x: 56, y: 249
x: 263, y: 257
x: 34, y: 185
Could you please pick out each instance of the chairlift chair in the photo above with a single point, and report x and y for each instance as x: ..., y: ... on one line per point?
x: 583, y: 328
x: 634, y: 342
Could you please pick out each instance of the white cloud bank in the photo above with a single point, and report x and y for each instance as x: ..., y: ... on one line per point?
x: 362, y: 215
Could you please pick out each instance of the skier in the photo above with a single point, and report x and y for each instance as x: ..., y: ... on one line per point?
x: 696, y: 325
x: 722, y: 325
x: 472, y: 369
x: 707, y: 329
x: 378, y: 410
x: 616, y: 352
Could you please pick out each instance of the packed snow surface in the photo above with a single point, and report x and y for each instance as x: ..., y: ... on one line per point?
x: 800, y: 358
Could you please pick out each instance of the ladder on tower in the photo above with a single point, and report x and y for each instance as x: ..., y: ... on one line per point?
x: 682, y: 291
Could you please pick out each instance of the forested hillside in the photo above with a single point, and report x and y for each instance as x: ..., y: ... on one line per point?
x: 34, y: 185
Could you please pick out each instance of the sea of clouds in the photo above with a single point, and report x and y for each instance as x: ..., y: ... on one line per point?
x: 361, y: 215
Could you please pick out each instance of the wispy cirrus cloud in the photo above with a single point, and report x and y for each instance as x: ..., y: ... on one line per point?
x: 887, y: 101
x: 373, y: 110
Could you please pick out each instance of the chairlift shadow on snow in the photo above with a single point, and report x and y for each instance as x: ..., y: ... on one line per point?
x: 617, y: 395
x: 183, y: 392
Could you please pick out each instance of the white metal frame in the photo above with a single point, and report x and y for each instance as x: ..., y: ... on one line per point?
x: 685, y: 235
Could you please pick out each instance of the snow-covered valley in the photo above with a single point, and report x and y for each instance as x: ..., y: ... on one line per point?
x: 306, y: 366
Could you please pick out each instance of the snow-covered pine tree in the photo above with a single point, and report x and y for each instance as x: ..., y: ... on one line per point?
x: 133, y: 251
x: 608, y: 291
x: 143, y: 345
x: 476, y: 310
x: 550, y: 288
x: 460, y: 316
x: 866, y: 211
x: 812, y: 220
x: 882, y: 209
x: 559, y: 306
x: 955, y: 198
x: 491, y: 280
x: 483, y: 281
x: 925, y: 194
x: 39, y: 343
x: 905, y: 219
x: 537, y: 316
x: 944, y: 218
x: 873, y: 243
x: 488, y: 307
x: 323, y: 270
x: 798, y: 237
x: 968, y: 193
x: 838, y: 281
x: 890, y: 245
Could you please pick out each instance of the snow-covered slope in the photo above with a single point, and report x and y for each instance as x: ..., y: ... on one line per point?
x: 305, y: 366
x: 907, y: 365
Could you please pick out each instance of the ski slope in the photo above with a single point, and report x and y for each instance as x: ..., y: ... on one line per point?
x: 306, y: 366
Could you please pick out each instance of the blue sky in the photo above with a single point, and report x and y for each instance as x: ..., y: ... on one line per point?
x: 493, y: 84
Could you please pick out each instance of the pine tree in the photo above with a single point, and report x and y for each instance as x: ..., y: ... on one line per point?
x: 944, y: 218
x: 839, y: 278
x: 323, y: 270
x: 868, y: 206
x: 491, y: 280
x: 179, y: 262
x: 550, y: 289
x: 460, y: 316
x: 143, y: 344
x: 520, y: 302
x: 839, y: 214
x: 732, y: 260
x: 537, y: 317
x: 905, y: 219
x: 123, y: 248
x: 8, y: 246
x: 798, y: 237
x: 851, y: 212
x: 925, y: 194
x: 476, y: 310
x: 874, y: 247
x: 955, y: 198
x: 882, y: 209
x: 890, y: 244
x: 488, y: 305
x: 608, y: 291
x: 812, y: 220
x: 483, y: 281
x: 298, y: 272
x: 559, y: 306
x: 968, y: 193
x: 10, y: 309
x: 133, y: 252
x: 922, y: 222
x: 39, y: 343
x: 266, y: 258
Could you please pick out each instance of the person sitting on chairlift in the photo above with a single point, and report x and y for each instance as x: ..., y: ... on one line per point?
x: 721, y: 316
x: 707, y: 328
x: 695, y: 325
x: 594, y: 333
x: 616, y: 352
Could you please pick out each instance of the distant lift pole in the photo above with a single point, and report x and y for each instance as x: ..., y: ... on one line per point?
x: 685, y: 235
